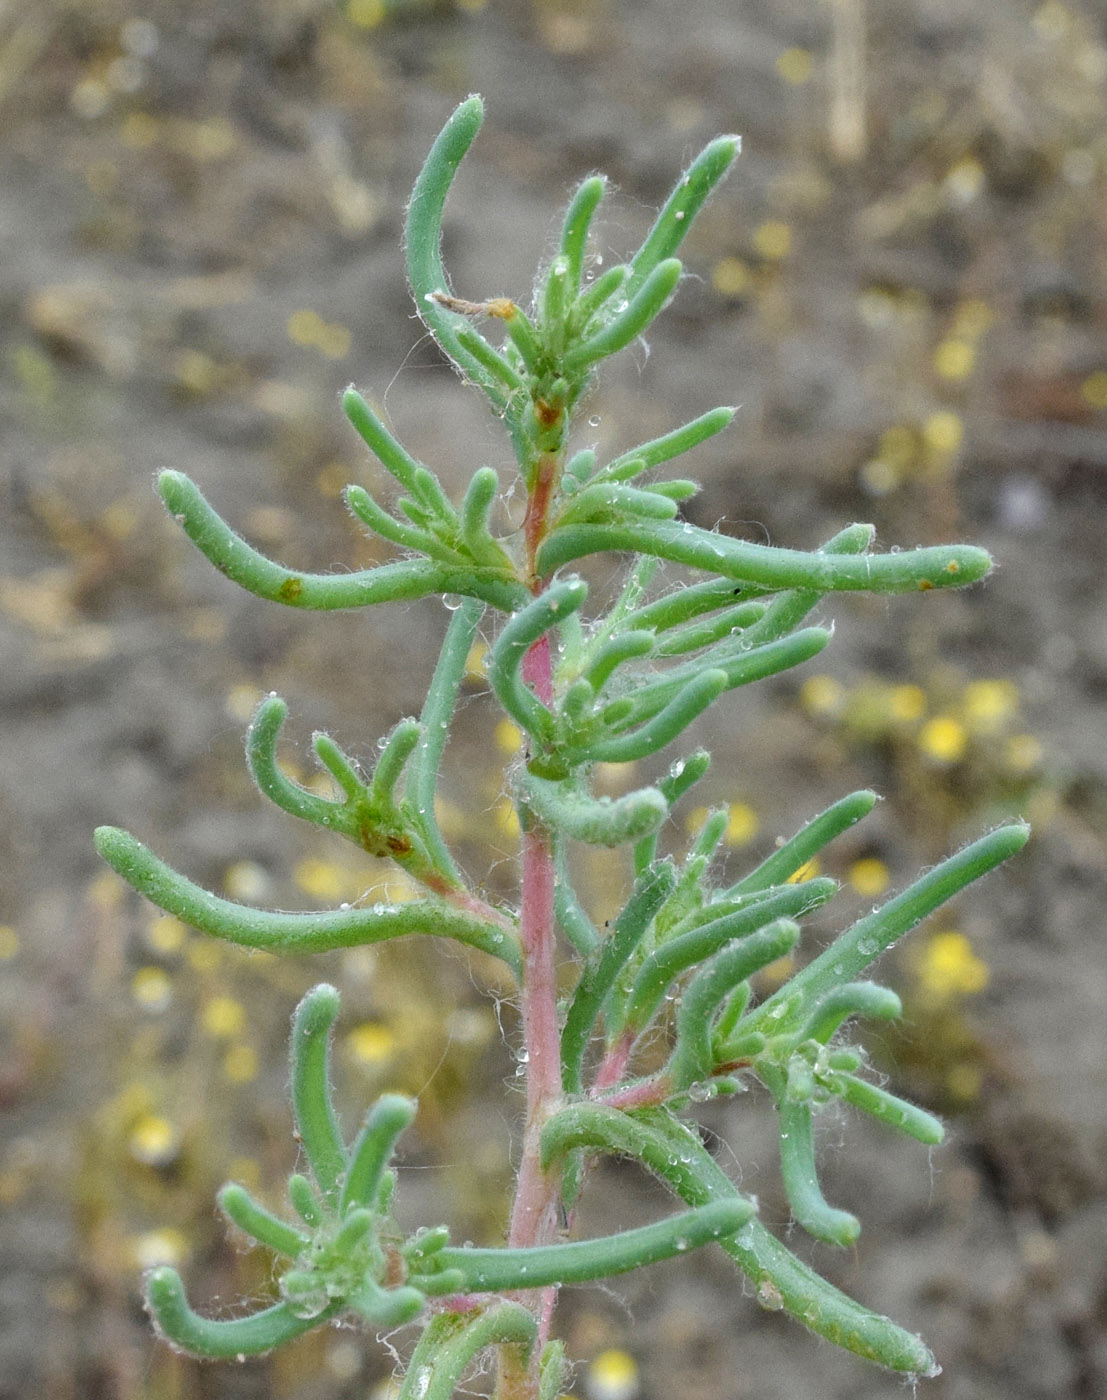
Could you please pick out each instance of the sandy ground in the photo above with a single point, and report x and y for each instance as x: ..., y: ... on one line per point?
x: 904, y: 284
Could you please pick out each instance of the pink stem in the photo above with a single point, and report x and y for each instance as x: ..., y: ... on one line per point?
x: 535, y: 1214
x: 614, y: 1063
x: 646, y: 1093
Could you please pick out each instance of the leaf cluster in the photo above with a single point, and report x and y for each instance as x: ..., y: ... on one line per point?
x: 678, y: 964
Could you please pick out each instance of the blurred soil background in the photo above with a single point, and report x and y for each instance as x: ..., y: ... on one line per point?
x: 904, y: 284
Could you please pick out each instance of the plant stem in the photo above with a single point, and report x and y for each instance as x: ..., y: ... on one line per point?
x: 547, y: 472
x: 535, y: 1214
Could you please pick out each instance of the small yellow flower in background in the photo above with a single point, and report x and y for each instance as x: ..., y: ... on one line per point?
x: 9, y: 943
x: 954, y: 359
x: 795, y: 66
x: 907, y: 703
x: 742, y: 824
x: 773, y: 240
x: 155, y: 1247
x: 807, y: 871
x: 695, y: 818
x: 730, y: 277
x: 371, y: 1043
x: 304, y: 326
x: 166, y: 934
x: 988, y: 705
x: 877, y: 476
x: 508, y: 736
x: 965, y: 1082
x: 307, y: 328
x: 476, y: 662
x: 948, y: 967
x: 222, y: 1017
x: 366, y: 14
x: 322, y: 879
x: 105, y: 891
x: 245, y: 879
x: 1094, y: 389
x: 153, y: 1140
x: 869, y: 876
x: 242, y: 701
x: 396, y: 888
x: 335, y: 341
x: 196, y: 372
x: 775, y: 974
x: 152, y: 988
x: 822, y: 695
x: 506, y: 818
x: 965, y: 180
x: 240, y: 1064
x: 943, y: 432
x: 943, y: 739
x: 613, y: 1375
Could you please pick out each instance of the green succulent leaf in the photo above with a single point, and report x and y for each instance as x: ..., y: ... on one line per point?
x: 222, y: 1339
x: 598, y: 977
x: 582, y: 1261
x: 677, y: 1157
x: 277, y: 932
x: 856, y: 949
x: 451, y: 1341
x: 766, y: 566
x: 598, y: 821
x: 316, y: 1120
x: 405, y: 579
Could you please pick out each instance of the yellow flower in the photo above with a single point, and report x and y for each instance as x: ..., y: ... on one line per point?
x: 949, y: 968
x: 822, y: 695
x: 154, y: 1247
x: 954, y: 359
x: 907, y: 703
x: 152, y: 988
x: 371, y: 1043
x: 613, y: 1375
x: 773, y: 240
x: 153, y: 1140
x: 869, y: 876
x: 943, y: 739
x: 223, y: 1016
x: 988, y: 705
x: 795, y: 66
x: 742, y: 824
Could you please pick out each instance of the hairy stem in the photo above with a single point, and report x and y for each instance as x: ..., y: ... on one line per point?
x: 535, y: 1215
x: 547, y: 472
